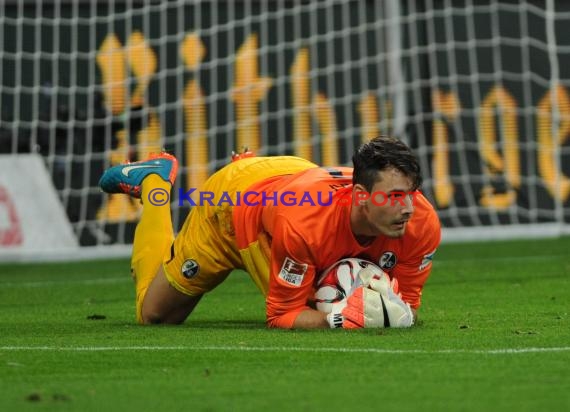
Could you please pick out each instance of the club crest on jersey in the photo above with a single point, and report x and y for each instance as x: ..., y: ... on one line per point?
x: 190, y: 268
x: 293, y: 272
x: 388, y: 261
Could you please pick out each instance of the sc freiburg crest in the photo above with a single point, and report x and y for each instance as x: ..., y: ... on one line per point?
x: 388, y: 260
x: 190, y: 268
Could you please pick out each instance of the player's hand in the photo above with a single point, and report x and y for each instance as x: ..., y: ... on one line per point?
x: 399, y: 313
x: 362, y: 309
x: 365, y: 276
x: 369, y: 273
x: 375, y: 306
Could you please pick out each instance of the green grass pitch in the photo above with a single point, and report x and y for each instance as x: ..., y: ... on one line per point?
x: 494, y: 334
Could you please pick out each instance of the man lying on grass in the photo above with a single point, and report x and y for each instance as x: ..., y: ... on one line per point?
x: 284, y: 220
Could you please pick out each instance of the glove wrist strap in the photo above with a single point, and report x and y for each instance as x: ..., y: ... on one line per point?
x: 335, y: 318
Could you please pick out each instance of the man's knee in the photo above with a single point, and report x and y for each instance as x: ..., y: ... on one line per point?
x: 153, y: 315
x: 154, y: 312
x: 157, y: 304
x: 151, y: 318
x: 149, y: 315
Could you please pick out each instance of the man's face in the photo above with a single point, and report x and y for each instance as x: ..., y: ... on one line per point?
x: 390, y: 204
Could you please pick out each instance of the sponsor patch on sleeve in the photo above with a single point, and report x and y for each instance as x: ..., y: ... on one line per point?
x: 426, y: 261
x: 292, y: 272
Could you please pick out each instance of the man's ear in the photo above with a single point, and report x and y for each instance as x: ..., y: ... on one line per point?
x: 360, y: 195
x: 359, y: 188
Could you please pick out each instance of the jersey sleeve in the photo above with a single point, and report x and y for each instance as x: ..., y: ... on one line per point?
x: 413, y: 273
x: 292, y: 272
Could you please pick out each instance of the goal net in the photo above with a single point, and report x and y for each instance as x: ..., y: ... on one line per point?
x: 479, y: 89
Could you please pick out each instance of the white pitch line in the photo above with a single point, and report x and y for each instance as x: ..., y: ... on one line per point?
x: 505, y: 351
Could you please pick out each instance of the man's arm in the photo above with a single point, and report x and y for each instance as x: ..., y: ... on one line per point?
x: 413, y: 273
x: 311, y: 319
x: 292, y: 274
x: 363, y: 310
x: 291, y: 278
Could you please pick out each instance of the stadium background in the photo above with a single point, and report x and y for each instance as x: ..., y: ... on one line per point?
x: 478, y: 89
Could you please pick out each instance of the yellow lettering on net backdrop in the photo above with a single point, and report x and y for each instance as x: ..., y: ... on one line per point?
x: 143, y: 63
x: 548, y: 144
x: 301, y: 97
x: 446, y: 105
x: 509, y: 162
x: 326, y: 119
x: 196, y: 145
x: 112, y: 64
x: 249, y: 90
x: 193, y: 52
x: 149, y: 138
x: 369, y: 119
x: 119, y: 208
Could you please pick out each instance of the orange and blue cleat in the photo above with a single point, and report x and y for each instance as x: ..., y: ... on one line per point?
x: 127, y: 178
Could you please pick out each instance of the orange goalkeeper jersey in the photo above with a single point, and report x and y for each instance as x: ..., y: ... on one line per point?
x: 306, y: 217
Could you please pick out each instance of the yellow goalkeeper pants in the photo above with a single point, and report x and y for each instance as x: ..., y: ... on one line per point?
x: 205, y: 250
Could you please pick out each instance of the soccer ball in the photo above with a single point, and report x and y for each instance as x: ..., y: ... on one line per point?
x: 338, y: 281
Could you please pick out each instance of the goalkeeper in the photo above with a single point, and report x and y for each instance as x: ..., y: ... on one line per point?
x: 372, y: 211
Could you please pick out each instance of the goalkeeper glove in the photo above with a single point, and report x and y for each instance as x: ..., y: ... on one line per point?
x: 399, y: 313
x: 375, y: 306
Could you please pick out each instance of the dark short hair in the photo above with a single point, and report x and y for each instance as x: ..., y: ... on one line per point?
x: 382, y: 153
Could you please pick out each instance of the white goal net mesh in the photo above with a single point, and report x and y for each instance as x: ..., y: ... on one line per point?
x: 479, y: 89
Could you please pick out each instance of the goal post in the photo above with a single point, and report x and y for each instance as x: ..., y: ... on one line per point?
x: 478, y: 88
